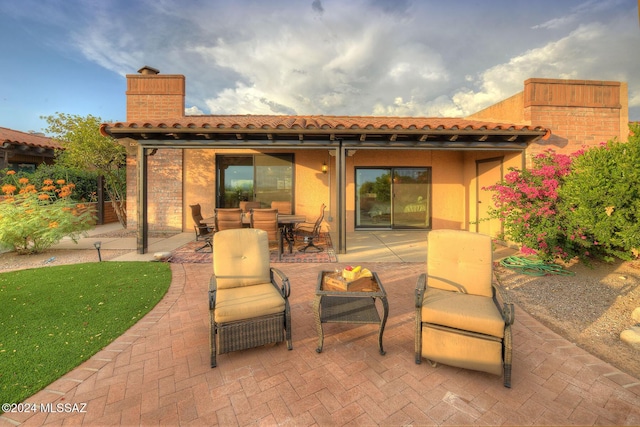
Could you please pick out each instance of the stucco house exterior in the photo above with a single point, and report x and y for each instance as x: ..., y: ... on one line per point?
x: 371, y: 172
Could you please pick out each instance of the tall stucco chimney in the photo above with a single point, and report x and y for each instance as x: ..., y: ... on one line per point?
x: 154, y: 96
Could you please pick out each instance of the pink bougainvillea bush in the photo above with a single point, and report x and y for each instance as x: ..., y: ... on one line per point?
x: 527, y: 203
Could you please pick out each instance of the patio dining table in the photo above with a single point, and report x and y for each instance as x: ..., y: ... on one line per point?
x: 285, y: 222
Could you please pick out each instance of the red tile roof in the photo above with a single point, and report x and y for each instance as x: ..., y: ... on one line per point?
x: 356, y: 131
x: 251, y: 122
x: 15, y: 137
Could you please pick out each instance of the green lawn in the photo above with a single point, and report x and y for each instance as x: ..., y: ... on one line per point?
x: 54, y: 318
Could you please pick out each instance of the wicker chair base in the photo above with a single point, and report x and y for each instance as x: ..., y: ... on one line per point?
x: 244, y: 334
x: 248, y: 334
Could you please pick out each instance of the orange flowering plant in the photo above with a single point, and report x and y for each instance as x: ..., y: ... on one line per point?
x: 33, y: 219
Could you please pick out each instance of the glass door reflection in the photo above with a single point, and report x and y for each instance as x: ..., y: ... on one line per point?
x: 373, y: 197
x: 411, y: 197
x: 235, y: 180
x: 401, y: 202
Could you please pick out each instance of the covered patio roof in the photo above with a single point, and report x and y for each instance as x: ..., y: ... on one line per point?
x: 300, y: 131
x: 339, y: 133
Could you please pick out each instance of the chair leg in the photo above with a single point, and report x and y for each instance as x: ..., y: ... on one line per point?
x: 507, y: 356
x: 207, y: 244
x: 418, y: 338
x: 212, y: 340
x: 287, y: 317
x: 310, y: 244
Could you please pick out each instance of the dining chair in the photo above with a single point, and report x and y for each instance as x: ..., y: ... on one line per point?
x: 462, y: 319
x: 227, y: 218
x: 203, y: 231
x: 310, y: 232
x: 283, y: 207
x: 267, y: 220
x: 246, y: 206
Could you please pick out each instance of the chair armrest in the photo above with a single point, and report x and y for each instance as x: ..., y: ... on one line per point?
x: 285, y: 286
x: 304, y: 226
x: 505, y: 306
x: 421, y: 286
x: 213, y: 288
x: 508, y: 314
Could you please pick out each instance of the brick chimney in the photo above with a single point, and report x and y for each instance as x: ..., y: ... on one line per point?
x: 154, y: 96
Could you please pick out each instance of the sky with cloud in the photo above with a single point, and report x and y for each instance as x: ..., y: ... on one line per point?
x: 332, y: 57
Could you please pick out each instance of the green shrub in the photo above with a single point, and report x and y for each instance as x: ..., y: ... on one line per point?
x: 86, y: 183
x: 34, y: 219
x: 601, y: 196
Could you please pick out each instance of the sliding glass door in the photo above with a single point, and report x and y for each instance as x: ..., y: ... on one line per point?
x: 263, y: 178
x: 393, y: 197
x: 373, y: 197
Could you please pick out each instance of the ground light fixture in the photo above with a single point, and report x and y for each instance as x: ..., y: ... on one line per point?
x: 97, y: 245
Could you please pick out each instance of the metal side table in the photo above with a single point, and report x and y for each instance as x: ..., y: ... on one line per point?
x: 356, y: 305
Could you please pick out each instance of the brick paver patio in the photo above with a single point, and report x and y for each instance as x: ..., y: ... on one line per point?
x: 158, y: 372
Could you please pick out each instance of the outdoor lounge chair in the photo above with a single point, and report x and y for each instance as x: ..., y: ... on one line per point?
x: 248, y: 299
x: 461, y: 318
x: 310, y: 232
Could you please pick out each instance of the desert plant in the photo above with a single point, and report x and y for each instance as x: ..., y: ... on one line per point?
x: 86, y: 182
x: 34, y: 219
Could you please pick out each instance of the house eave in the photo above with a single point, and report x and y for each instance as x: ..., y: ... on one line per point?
x: 200, y: 137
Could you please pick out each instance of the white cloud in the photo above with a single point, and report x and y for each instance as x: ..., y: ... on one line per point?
x: 193, y: 111
x: 583, y: 54
x: 361, y: 57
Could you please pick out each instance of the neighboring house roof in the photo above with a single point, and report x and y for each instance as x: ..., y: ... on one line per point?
x: 324, y: 130
x: 9, y: 137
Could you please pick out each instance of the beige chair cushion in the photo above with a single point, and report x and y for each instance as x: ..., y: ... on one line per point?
x: 242, y: 257
x: 462, y: 311
x: 459, y: 260
x: 248, y: 302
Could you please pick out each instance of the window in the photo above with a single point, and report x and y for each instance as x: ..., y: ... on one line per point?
x: 263, y: 178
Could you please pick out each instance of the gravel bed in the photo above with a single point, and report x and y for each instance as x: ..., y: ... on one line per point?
x: 590, y: 308
x: 10, y: 261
